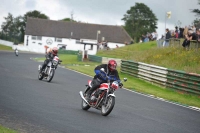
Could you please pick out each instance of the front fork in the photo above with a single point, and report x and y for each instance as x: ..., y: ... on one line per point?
x: 105, y: 101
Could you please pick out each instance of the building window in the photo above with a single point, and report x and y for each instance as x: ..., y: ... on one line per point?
x: 58, y: 39
x: 33, y: 37
x: 39, y: 38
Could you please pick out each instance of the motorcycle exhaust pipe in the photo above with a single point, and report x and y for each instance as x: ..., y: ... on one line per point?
x: 81, y: 94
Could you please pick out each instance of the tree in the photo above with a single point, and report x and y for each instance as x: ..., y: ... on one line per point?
x: 11, y: 28
x: 33, y: 14
x: 197, y: 11
x: 139, y: 20
x: 67, y: 19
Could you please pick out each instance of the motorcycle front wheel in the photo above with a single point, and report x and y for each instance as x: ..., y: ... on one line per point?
x: 50, y: 76
x: 108, y: 107
x: 40, y: 76
x: 84, y: 105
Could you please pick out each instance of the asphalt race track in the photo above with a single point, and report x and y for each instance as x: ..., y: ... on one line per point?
x: 34, y: 106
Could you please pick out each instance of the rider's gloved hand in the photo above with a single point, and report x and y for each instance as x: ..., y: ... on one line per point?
x: 120, y: 85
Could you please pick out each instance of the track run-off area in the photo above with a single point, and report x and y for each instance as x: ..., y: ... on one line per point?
x: 33, y: 106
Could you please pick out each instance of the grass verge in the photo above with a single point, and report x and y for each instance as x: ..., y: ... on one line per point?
x: 3, y: 47
x: 6, y: 130
x: 133, y: 83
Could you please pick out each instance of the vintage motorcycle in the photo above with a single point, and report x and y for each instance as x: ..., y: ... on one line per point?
x: 102, y: 98
x: 49, y: 71
x: 16, y: 52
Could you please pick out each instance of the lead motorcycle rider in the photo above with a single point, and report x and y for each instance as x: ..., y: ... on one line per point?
x: 109, y: 73
x: 50, y: 54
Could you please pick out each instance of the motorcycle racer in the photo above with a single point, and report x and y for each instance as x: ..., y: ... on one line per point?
x: 109, y: 73
x: 50, y: 54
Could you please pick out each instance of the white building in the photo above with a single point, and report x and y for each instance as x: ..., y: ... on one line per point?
x: 71, y: 35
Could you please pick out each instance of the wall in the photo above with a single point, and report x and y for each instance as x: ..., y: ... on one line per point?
x: 113, y: 45
x: 38, y: 45
x: 20, y: 47
x: 6, y: 43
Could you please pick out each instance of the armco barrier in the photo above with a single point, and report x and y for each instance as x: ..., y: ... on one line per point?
x: 183, y: 81
x: 129, y: 67
x: 67, y: 52
x: 95, y: 58
x: 152, y: 73
x: 177, y: 80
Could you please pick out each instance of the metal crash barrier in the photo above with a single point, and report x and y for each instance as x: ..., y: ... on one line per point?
x: 178, y: 80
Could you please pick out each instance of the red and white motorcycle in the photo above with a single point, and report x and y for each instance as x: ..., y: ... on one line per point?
x: 102, y: 98
x: 49, y: 71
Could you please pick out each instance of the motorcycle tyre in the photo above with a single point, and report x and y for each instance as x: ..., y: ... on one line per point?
x: 84, y: 105
x: 40, y: 77
x: 110, y: 108
x: 53, y: 72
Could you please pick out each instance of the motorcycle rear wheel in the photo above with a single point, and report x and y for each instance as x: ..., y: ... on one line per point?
x: 106, y: 109
x: 50, y: 76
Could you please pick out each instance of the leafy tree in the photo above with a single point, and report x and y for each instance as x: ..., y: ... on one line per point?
x: 11, y: 28
x: 67, y: 19
x: 139, y: 20
x: 33, y: 14
x: 197, y: 11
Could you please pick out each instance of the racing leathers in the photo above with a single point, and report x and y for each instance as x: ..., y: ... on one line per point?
x: 49, y: 56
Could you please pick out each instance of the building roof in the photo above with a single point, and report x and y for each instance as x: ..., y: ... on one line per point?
x: 63, y: 29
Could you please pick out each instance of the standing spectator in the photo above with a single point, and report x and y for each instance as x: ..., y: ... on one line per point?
x: 181, y: 32
x: 194, y: 29
x: 98, y: 45
x: 198, y: 35
x: 167, y: 37
x: 172, y: 34
x: 106, y: 44
x: 160, y: 40
x: 185, y: 32
x: 156, y: 36
x: 143, y: 37
x: 140, y: 40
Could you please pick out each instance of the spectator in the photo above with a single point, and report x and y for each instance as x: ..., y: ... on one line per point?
x: 140, y: 40
x: 98, y: 45
x: 156, y: 36
x: 172, y: 34
x: 167, y: 37
x: 160, y: 41
x: 198, y: 35
x: 143, y: 37
x: 185, y: 32
x: 194, y: 29
x: 176, y: 34
x: 188, y: 38
x: 146, y: 39
x: 181, y: 32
